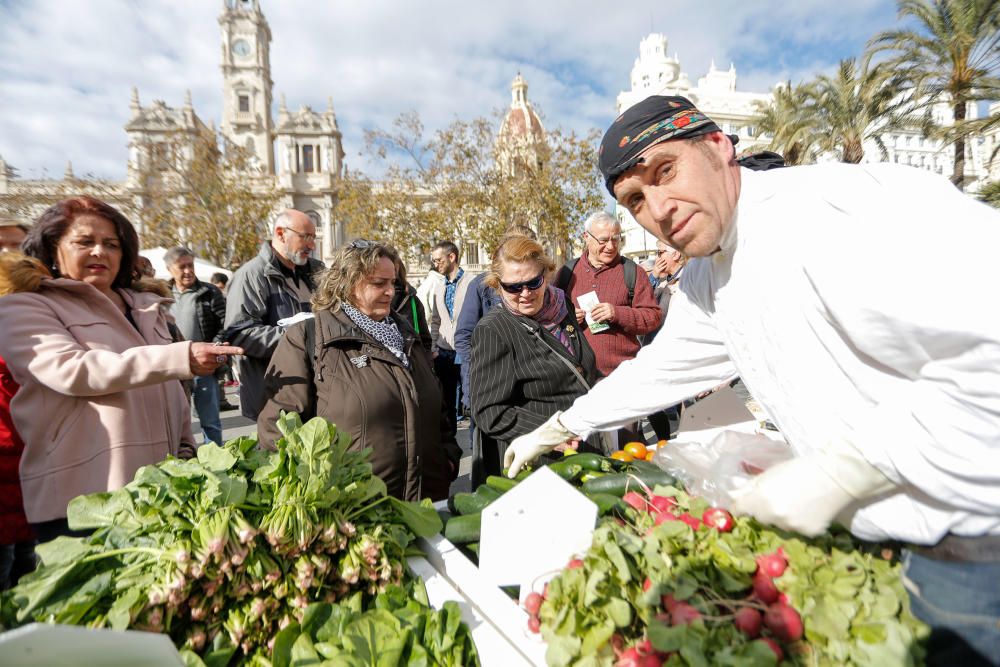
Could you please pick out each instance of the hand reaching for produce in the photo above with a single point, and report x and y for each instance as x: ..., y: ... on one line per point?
x: 571, y: 445
x: 530, y: 446
x: 805, y: 494
x: 207, y: 357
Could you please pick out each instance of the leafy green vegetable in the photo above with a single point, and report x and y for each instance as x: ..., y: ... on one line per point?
x: 290, y: 557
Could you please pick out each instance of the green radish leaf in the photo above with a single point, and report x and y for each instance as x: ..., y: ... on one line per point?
x: 215, y: 458
x: 421, y: 518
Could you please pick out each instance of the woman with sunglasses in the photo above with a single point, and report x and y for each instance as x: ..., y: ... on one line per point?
x: 361, y: 366
x: 529, y: 358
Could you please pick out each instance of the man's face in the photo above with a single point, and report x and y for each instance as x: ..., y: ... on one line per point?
x: 683, y: 193
x: 603, y: 242
x: 444, y: 262
x: 10, y: 238
x: 182, y: 272
x: 297, y: 240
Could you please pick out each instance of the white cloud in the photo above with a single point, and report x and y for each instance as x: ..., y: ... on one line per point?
x: 66, y: 68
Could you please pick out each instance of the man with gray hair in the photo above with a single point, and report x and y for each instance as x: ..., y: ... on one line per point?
x: 199, y: 310
x: 625, y: 308
x: 274, y: 285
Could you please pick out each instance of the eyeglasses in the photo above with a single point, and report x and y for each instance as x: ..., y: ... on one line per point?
x: 616, y: 239
x: 305, y: 237
x: 361, y: 244
x: 517, y: 288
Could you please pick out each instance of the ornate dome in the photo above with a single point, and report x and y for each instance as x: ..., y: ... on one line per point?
x: 521, y: 124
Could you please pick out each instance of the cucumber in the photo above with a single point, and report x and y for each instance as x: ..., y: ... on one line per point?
x: 642, y: 466
x: 594, y: 462
x: 463, y: 529
x: 468, y: 503
x: 501, y: 484
x: 617, y: 483
x: 605, y: 502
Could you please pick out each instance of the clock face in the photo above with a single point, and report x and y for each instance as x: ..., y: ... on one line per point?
x: 241, y: 47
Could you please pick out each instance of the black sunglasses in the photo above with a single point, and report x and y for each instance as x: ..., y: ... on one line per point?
x: 517, y: 288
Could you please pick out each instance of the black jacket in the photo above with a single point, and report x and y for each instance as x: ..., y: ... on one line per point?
x: 520, y: 374
x: 211, y: 309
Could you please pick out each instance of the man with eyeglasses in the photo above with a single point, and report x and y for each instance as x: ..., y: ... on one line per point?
x: 625, y: 303
x: 276, y: 284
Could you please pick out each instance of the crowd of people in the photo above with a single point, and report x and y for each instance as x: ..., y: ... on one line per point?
x: 883, y: 383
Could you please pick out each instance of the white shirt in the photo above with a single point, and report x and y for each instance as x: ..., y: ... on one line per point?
x: 859, y: 304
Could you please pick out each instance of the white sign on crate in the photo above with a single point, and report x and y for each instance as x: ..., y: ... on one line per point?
x: 534, y: 529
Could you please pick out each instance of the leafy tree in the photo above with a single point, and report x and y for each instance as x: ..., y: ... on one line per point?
x: 860, y: 102
x: 990, y: 193
x: 207, y: 194
x: 950, y: 55
x: 455, y: 184
x: 790, y: 122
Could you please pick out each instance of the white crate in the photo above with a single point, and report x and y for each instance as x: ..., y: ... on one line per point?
x: 489, y: 601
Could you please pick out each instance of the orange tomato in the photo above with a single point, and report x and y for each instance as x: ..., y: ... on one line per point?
x: 661, y: 443
x: 622, y: 456
x: 636, y: 450
x: 650, y: 454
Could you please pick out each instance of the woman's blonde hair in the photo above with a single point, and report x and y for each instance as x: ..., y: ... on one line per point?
x: 517, y: 249
x: 350, y: 264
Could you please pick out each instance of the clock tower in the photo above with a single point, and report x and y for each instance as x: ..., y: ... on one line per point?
x: 246, y: 80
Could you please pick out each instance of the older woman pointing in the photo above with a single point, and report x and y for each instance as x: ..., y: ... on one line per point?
x: 361, y: 366
x: 91, y: 348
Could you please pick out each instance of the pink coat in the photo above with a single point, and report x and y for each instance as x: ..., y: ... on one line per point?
x: 98, y: 399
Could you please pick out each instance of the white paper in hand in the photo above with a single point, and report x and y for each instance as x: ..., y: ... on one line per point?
x: 286, y: 322
x: 534, y: 529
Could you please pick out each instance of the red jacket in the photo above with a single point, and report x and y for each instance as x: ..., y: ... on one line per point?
x: 13, y: 524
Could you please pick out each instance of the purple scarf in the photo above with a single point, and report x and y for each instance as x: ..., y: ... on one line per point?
x: 551, y: 315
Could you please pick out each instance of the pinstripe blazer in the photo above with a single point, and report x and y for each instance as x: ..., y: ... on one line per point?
x: 520, y: 374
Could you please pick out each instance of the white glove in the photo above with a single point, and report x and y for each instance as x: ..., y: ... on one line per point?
x: 805, y: 494
x: 530, y: 446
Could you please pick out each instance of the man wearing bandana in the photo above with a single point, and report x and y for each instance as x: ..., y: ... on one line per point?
x: 885, y: 384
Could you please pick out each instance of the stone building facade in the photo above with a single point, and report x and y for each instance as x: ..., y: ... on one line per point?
x: 301, y: 153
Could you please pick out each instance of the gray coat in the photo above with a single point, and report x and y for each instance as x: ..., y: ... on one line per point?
x: 257, y: 299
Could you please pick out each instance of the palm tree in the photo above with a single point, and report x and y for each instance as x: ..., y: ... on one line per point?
x: 952, y: 55
x: 858, y: 103
x: 789, y: 121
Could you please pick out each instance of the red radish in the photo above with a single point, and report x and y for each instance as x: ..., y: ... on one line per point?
x: 684, y: 614
x: 635, y: 500
x: 646, y: 585
x: 532, y: 603
x: 534, y: 625
x: 718, y: 518
x: 748, y: 621
x: 663, y: 517
x: 764, y: 588
x: 663, y: 503
x: 692, y: 521
x: 784, y: 622
x: 774, y: 564
x: 629, y: 658
x: 783, y: 599
x: 573, y: 564
x: 644, y: 646
x: 649, y: 661
x: 668, y: 601
x: 617, y: 642
x: 773, y: 645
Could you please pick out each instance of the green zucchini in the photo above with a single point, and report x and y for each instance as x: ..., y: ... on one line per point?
x: 642, y: 466
x: 487, y: 493
x: 463, y: 529
x: 468, y: 503
x: 568, y: 469
x: 501, y: 484
x: 617, y: 483
x: 594, y: 462
x: 605, y: 502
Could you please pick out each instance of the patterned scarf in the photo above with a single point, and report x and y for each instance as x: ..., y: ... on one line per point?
x: 384, y: 332
x: 551, y: 315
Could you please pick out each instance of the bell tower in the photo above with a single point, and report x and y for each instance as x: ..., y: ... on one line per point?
x: 246, y: 80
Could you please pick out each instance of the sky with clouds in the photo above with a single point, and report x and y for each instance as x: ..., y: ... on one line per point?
x: 67, y: 66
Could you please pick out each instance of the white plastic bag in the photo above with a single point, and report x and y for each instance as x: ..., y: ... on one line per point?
x: 715, y: 468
